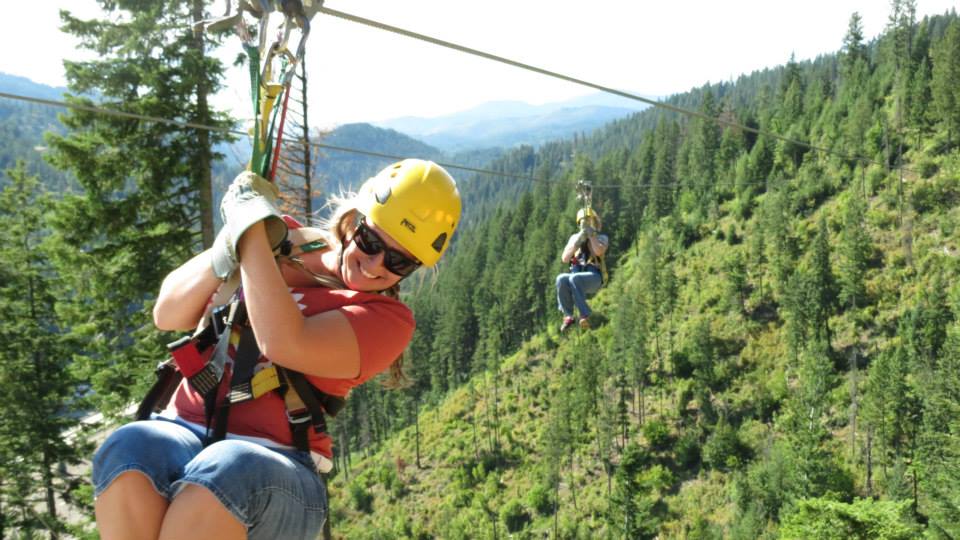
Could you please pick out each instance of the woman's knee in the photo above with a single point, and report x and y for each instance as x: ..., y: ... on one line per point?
x: 563, y: 280
x: 155, y: 448
x: 583, y: 281
x: 245, y: 467
x: 232, y: 458
x: 266, y: 490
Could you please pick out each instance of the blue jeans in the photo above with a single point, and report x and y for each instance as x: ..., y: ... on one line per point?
x: 274, y: 493
x: 574, y: 287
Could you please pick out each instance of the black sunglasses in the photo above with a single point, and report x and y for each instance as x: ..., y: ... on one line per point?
x: 370, y: 243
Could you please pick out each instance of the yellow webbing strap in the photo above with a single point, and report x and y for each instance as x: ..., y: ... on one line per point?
x: 264, y: 381
x: 271, y: 91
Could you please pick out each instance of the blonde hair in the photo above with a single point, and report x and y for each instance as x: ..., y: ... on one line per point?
x: 341, y: 221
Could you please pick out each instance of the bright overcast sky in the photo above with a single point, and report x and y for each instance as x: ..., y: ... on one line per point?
x: 653, y: 48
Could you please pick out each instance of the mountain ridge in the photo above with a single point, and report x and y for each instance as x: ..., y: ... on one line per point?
x: 508, y: 123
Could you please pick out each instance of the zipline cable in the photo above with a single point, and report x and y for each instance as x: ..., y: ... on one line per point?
x: 194, y: 125
x: 595, y: 86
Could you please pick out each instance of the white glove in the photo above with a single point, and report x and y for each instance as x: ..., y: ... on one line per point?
x: 248, y: 200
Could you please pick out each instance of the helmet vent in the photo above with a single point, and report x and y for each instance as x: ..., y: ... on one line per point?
x: 437, y: 244
x: 384, y: 194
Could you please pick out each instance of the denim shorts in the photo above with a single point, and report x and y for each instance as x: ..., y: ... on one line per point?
x: 275, y: 493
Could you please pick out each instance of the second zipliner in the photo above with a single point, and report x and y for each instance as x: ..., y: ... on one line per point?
x: 585, y: 253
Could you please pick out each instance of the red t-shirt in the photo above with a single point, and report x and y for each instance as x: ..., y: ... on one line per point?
x: 383, y: 327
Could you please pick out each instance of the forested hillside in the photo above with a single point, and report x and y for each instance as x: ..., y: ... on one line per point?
x: 775, y: 356
x: 344, y: 170
x: 22, y: 126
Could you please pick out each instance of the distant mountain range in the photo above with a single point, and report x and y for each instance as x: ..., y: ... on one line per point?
x: 14, y: 84
x: 471, y: 138
x: 511, y: 123
x: 22, y: 125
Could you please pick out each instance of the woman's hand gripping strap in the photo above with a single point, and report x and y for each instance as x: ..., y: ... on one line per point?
x: 250, y: 199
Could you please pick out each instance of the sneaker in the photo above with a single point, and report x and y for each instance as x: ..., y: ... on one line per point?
x: 584, y: 323
x: 567, y: 323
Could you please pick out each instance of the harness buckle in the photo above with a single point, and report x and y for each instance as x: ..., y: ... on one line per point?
x: 301, y: 416
x: 187, y: 356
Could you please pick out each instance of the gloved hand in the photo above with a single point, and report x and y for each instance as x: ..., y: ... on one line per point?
x: 223, y: 255
x: 249, y: 199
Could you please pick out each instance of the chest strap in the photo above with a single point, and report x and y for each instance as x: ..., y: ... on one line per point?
x: 222, y: 384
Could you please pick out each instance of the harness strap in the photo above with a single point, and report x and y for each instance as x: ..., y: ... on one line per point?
x: 223, y: 382
x: 245, y: 359
x: 298, y: 416
x: 168, y: 378
x: 592, y: 259
x: 218, y: 410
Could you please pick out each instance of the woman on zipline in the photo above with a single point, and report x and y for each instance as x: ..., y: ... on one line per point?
x: 328, y: 311
x: 584, y: 253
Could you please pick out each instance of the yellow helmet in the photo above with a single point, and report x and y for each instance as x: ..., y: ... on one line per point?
x: 417, y: 203
x: 588, y: 212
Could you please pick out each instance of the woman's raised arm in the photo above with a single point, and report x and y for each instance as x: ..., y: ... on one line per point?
x: 184, y: 294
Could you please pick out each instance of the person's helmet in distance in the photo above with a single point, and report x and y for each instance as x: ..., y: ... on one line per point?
x: 591, y: 214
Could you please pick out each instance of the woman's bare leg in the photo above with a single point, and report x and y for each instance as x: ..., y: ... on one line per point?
x: 197, y: 513
x: 130, y: 509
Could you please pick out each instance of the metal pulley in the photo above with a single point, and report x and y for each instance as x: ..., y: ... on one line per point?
x: 585, y: 193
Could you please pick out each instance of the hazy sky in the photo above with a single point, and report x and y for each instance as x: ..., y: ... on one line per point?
x: 652, y: 48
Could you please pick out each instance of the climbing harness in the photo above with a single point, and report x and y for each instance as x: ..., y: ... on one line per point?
x: 219, y: 361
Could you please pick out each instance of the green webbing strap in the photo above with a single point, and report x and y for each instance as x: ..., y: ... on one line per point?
x: 253, y: 57
x: 257, y: 160
x: 312, y: 246
x: 262, y: 166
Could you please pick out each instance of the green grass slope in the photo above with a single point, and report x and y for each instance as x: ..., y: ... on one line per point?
x: 702, y: 412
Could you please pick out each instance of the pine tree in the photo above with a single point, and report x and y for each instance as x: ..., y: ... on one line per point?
x: 804, y: 424
x: 940, y: 444
x: 824, y: 282
x: 38, y: 392
x: 735, y: 268
x: 924, y: 328
x: 663, y: 180
x: 945, y: 81
x: 791, y: 94
x: 780, y: 250
x: 888, y: 404
x: 144, y: 205
x: 632, y: 510
x: 854, y: 51
x: 855, y: 251
x: 901, y: 26
x: 295, y: 166
x: 628, y: 346
x: 919, y: 115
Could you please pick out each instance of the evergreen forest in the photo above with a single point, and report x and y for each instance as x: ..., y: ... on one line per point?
x: 776, y: 354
